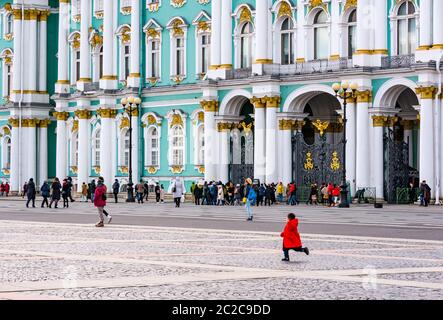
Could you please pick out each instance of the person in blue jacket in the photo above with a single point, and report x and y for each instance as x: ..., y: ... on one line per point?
x: 45, y: 192
x: 251, y: 198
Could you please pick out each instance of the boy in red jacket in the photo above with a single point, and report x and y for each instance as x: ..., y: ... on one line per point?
x: 291, y: 238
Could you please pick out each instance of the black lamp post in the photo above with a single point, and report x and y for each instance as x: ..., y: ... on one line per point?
x: 131, y: 105
x: 342, y: 91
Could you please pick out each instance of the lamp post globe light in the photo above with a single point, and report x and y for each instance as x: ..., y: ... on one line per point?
x: 130, y: 105
x: 344, y: 91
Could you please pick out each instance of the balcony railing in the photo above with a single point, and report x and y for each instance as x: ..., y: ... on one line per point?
x: 309, y: 67
x: 401, y: 61
x: 239, y: 73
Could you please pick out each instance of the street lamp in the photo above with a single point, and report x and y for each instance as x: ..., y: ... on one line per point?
x: 344, y: 91
x: 130, y: 105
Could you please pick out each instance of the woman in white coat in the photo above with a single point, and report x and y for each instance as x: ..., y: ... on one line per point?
x: 178, y: 190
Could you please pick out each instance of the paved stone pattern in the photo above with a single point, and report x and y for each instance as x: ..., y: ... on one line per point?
x: 40, y: 260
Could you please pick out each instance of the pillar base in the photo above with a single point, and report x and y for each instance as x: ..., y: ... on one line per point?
x: 109, y: 84
x: 133, y: 82
x: 81, y: 85
x: 62, y: 88
x: 219, y: 73
x: 368, y: 60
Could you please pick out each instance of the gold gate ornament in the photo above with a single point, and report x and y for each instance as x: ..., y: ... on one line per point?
x: 335, y: 164
x: 309, y: 163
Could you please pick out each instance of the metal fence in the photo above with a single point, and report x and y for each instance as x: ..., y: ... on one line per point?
x: 406, y: 196
x: 365, y: 195
x: 239, y: 73
x: 308, y: 67
x: 401, y: 61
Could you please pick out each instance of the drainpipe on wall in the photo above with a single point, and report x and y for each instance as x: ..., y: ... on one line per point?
x: 438, y: 111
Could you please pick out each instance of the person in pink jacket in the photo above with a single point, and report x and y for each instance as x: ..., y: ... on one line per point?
x: 100, y: 201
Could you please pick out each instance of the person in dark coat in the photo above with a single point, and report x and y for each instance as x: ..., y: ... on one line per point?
x: 291, y: 238
x: 45, y: 191
x: 70, y: 186
x: 198, y: 192
x: 116, y: 189
x: 146, y: 191
x: 92, y: 187
x: 25, y: 189
x: 425, y: 194
x: 65, y: 193
x: 55, y: 187
x: 30, y: 193
x: 205, y: 194
x: 157, y: 193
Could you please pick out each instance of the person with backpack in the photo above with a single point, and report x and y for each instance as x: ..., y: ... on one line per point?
x: 70, y: 186
x: 45, y: 192
x: 139, y: 189
x: 251, y: 199
x: 100, y: 202
x: 30, y: 193
x: 291, y: 238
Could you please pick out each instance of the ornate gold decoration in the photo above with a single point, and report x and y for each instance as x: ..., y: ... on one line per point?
x: 298, y: 125
x: 44, y: 123
x: 96, y: 41
x: 83, y: 114
x: 203, y: 26
x: 126, y: 35
x: 321, y: 126
x: 350, y: 4
x: 153, y: 7
x: 74, y: 169
x: 152, y: 33
x: 201, y: 169
x: 379, y: 121
x: 285, y: 124
x: 124, y: 123
x: 309, y: 163
x: 335, y: 164
x: 177, y: 30
x: 176, y: 120
x: 126, y: 11
x: 107, y: 113
x: 201, y: 117
x: 6, y: 171
x: 97, y: 169
x: 209, y: 105
x: 246, y: 128
x: 123, y: 169
x: 317, y: 3
x: 178, y: 3
x: 426, y: 92
x: 152, y: 170
x: 61, y: 116
x: 272, y: 102
x: 245, y: 15
x: 177, y: 169
x: 224, y: 126
x: 364, y: 96
x: 258, y: 103
x: 284, y: 10
x: 8, y: 36
x: 75, y: 43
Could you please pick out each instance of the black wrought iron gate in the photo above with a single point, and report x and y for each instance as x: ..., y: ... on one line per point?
x: 316, y: 163
x: 396, y: 166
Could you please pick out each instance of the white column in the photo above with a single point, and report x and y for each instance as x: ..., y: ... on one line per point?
x: 109, y: 79
x: 31, y: 151
x: 362, y: 150
x: 286, y: 150
x: 62, y: 152
x: 106, y: 148
x: 216, y: 34
x: 351, y: 135
x: 85, y: 48
x: 261, y: 26
x: 62, y: 85
x: 224, y: 135
x: 438, y: 25
x: 134, y: 77
x: 17, y: 54
x: 135, y: 147
x: 426, y: 23
x: 42, y: 52
x: 427, y: 140
x: 271, y: 140
x: 43, y: 152
x: 377, y: 131
x: 260, y: 139
x: 301, y: 55
x: 226, y: 34
x: 381, y: 31
x: 31, y: 65
x: 335, y: 31
x: 15, y: 179
x: 83, y: 148
x: 210, y: 108
x: 362, y: 56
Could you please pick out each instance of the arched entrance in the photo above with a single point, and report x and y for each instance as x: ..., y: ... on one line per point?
x: 317, y: 146
x: 242, y: 145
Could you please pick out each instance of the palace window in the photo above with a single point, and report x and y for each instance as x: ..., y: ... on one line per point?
x: 154, y: 58
x: 287, y: 41
x: 178, y: 146
x: 152, y: 148
x: 352, y: 32
x: 200, y: 145
x: 179, y: 56
x: 246, y: 35
x: 125, y: 148
x: 76, y: 65
x: 8, y: 25
x: 406, y: 29
x: 96, y: 149
x: 76, y: 10
x: 74, y: 150
x: 321, y: 37
x: 98, y: 6
x: 7, y: 68
x: 126, y: 60
x: 204, y: 41
x: 100, y: 64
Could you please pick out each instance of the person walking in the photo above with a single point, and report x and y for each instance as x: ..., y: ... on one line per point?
x: 139, y: 189
x: 92, y: 187
x: 335, y: 195
x: 7, y: 188
x: 198, y: 191
x: 220, y: 195
x: 313, y: 195
x: 193, y: 185
x: 45, y: 192
x: 25, y: 189
x: 146, y: 191
x: 65, y: 193
x: 330, y: 196
x: 2, y: 189
x: 291, y: 238
x: 325, y: 194
x: 425, y: 193
x: 251, y: 199
x: 70, y: 186
x: 100, y: 202
x: 177, y: 191
x: 84, y: 196
x: 30, y: 193
x: 162, y: 194
x: 116, y: 189
x: 280, y: 192
x: 55, y: 187
x: 157, y: 193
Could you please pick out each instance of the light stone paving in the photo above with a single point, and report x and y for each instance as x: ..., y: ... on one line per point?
x: 74, y: 261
